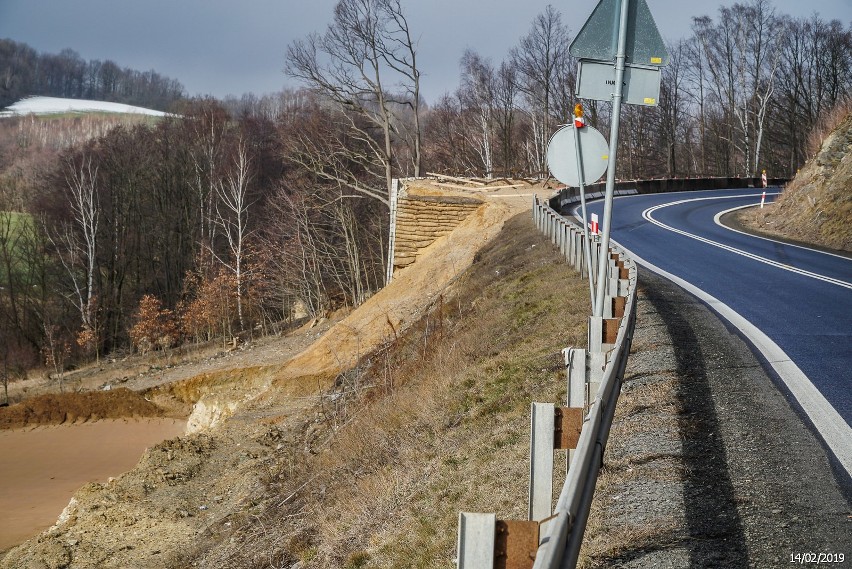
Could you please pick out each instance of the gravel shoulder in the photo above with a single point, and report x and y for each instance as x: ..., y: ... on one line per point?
x: 708, y: 463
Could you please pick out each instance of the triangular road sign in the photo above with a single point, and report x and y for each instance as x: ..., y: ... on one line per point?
x: 598, y: 38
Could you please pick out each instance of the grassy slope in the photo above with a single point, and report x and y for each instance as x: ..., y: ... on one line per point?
x: 434, y: 423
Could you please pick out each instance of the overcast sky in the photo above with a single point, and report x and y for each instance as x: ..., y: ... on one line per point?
x: 222, y: 47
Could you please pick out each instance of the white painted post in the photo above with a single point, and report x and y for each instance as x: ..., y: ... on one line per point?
x: 576, y: 369
x: 578, y: 253
x: 542, y: 423
x: 394, y: 198
x: 476, y: 538
x: 607, y: 309
x: 575, y: 364
x: 612, y: 278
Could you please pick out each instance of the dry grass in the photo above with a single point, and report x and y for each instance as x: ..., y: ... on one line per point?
x: 816, y: 206
x: 625, y: 522
x: 827, y: 124
x: 434, y: 422
x: 656, y: 534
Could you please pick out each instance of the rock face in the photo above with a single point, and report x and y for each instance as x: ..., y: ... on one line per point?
x: 816, y: 206
x: 422, y: 218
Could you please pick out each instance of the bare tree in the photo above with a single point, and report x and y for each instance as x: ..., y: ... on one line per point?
x: 349, y: 64
x: 232, y: 218
x: 447, y: 149
x: 743, y: 53
x: 542, y: 53
x: 478, y: 96
x: 505, y: 98
x: 671, y: 104
x: 208, y: 123
x: 696, y: 75
x: 816, y: 62
x: 76, y: 242
x: 400, y: 54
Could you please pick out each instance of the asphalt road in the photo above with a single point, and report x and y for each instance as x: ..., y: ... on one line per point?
x: 794, y: 305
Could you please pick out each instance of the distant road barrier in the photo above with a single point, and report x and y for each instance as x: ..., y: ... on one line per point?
x: 551, y: 537
x: 569, y: 196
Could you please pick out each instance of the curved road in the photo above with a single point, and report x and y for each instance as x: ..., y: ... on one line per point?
x: 792, y: 303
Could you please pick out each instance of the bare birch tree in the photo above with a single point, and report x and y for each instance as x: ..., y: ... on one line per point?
x: 208, y: 123
x: 76, y: 242
x: 232, y: 218
x: 477, y: 95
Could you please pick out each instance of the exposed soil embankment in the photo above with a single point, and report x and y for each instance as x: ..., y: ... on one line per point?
x: 816, y: 206
x: 58, y: 408
x: 197, y: 500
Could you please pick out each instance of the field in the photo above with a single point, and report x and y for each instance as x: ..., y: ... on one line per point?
x: 68, y: 107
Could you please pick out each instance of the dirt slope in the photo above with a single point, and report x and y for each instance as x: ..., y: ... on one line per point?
x: 816, y: 206
x: 153, y: 515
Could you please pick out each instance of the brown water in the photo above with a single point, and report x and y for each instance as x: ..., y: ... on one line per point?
x: 41, y: 468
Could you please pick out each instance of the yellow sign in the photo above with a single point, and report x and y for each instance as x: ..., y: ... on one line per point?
x: 656, y: 60
x: 650, y: 101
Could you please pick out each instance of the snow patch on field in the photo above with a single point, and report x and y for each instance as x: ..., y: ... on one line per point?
x: 55, y: 105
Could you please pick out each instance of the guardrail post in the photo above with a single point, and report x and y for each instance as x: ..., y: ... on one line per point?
x: 577, y: 372
x: 576, y: 251
x: 575, y: 364
x: 476, y: 539
x: 560, y: 232
x: 623, y: 277
x: 579, y: 248
x: 541, y: 461
x: 551, y: 428
x: 612, y: 278
x: 484, y: 542
x: 572, y: 244
x: 552, y: 225
x: 602, y: 334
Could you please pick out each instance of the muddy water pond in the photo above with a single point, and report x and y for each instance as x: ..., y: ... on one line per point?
x: 42, y: 467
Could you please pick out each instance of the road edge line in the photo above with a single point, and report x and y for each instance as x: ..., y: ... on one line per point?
x: 833, y: 429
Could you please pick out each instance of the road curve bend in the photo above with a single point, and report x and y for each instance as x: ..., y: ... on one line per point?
x: 793, y: 304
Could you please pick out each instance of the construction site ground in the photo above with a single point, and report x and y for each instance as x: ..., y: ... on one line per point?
x: 144, y: 399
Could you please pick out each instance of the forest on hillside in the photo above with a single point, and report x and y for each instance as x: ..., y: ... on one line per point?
x: 24, y: 72
x: 231, y: 217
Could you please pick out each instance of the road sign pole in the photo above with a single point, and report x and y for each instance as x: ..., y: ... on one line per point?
x: 603, y: 259
x: 587, y: 244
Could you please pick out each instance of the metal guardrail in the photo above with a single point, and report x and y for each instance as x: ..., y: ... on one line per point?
x: 552, y: 536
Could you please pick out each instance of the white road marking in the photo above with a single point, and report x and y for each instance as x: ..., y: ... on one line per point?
x: 834, y: 430
x: 647, y: 214
x: 718, y: 220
